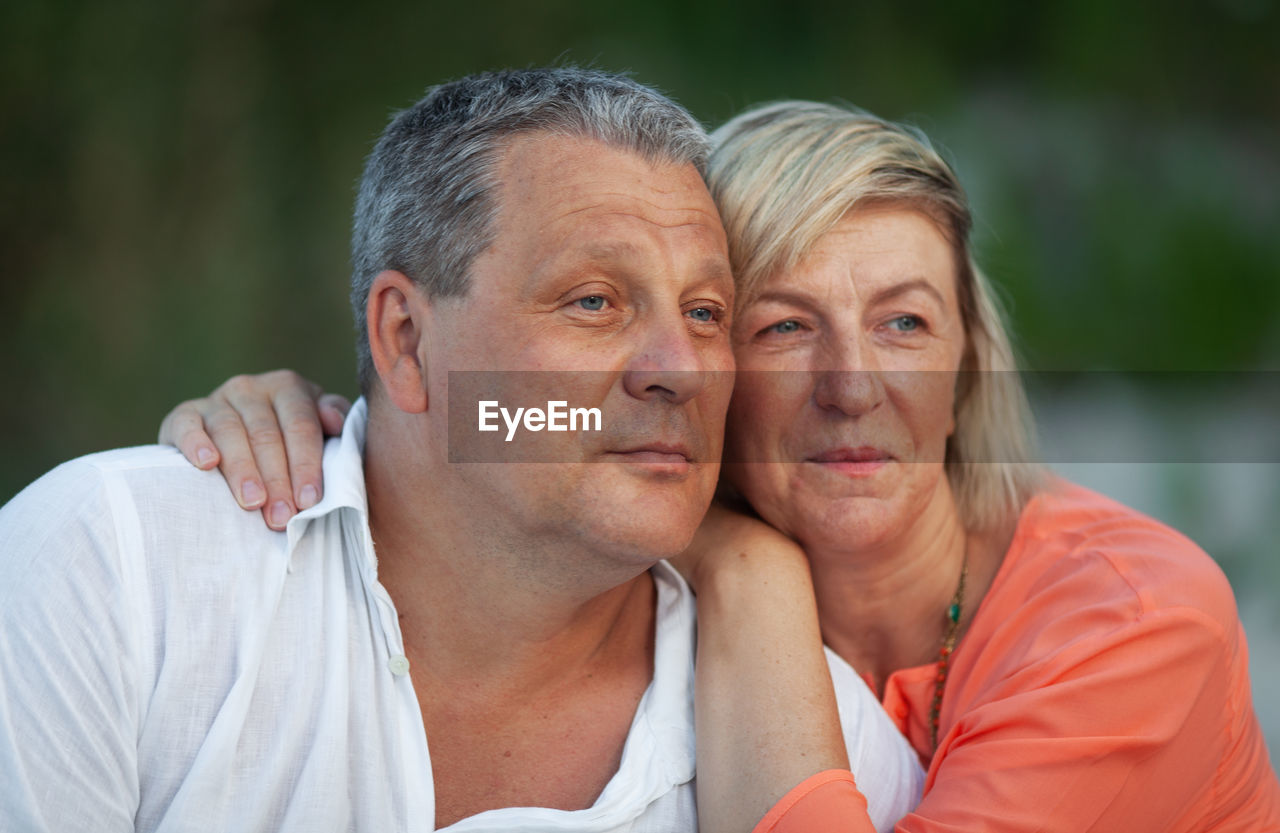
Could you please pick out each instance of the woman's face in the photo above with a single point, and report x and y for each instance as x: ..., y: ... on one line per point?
x: 846, y: 383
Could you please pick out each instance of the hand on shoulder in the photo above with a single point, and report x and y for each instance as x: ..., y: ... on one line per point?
x: 265, y: 433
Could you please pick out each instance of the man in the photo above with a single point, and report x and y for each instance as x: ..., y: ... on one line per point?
x: 168, y: 663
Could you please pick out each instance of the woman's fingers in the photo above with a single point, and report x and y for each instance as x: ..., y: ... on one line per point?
x: 282, y: 428
x: 299, y: 419
x: 183, y: 427
x: 333, y: 413
x: 266, y: 435
x: 242, y: 423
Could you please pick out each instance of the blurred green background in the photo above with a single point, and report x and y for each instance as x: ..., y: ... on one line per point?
x: 179, y: 176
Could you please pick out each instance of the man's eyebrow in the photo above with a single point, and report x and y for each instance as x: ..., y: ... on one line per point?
x: 610, y: 250
x: 713, y: 268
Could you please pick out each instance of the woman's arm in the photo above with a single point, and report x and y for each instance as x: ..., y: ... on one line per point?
x: 765, y: 707
x: 768, y: 730
x: 266, y: 435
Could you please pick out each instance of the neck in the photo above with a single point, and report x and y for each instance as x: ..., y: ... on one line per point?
x: 882, y: 607
x: 480, y: 601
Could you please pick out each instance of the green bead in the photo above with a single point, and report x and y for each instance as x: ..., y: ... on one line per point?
x: 953, y: 613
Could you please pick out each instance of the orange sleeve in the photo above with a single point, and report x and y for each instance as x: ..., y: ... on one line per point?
x: 1103, y: 686
x: 828, y: 801
x: 1126, y: 731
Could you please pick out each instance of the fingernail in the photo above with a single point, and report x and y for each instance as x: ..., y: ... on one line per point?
x: 251, y: 493
x: 279, y: 514
x: 205, y: 455
x: 308, y: 497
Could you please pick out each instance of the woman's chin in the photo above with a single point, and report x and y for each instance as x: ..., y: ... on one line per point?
x: 855, y: 524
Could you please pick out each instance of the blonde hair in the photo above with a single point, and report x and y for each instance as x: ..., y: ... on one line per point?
x: 784, y: 174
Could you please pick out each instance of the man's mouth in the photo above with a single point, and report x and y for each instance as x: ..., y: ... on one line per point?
x: 660, y: 457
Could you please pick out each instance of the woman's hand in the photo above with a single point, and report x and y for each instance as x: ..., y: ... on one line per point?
x: 265, y: 433
x: 731, y: 542
x: 765, y: 709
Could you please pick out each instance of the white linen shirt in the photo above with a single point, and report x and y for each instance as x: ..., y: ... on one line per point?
x: 167, y: 663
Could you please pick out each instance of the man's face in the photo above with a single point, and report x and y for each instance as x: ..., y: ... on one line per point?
x: 615, y: 272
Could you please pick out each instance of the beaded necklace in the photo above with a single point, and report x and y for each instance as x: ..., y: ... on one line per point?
x: 954, y: 611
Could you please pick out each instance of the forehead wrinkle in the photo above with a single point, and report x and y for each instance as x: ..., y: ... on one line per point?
x: 619, y: 246
x: 574, y: 208
x: 605, y: 210
x: 707, y: 269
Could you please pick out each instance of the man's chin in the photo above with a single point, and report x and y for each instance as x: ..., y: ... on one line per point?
x: 645, y: 551
x: 656, y: 521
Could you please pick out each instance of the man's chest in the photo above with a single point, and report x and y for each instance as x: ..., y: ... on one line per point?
x: 288, y: 717
x: 296, y: 714
x: 558, y: 750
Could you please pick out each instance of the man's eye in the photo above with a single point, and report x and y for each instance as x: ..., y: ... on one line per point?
x: 783, y: 327
x: 704, y: 314
x: 594, y: 303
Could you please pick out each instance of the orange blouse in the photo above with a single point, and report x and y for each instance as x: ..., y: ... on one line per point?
x: 1102, y: 685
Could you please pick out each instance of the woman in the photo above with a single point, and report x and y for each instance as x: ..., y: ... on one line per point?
x: 1057, y: 660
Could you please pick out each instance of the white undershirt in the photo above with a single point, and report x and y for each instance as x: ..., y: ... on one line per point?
x: 167, y: 663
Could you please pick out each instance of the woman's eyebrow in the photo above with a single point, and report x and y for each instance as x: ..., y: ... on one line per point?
x: 801, y: 298
x: 794, y: 297
x: 905, y: 287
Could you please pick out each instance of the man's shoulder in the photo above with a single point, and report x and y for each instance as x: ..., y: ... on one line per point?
x: 139, y: 457
x: 145, y: 467
x: 117, y: 506
x: 137, y: 479
x: 89, y: 473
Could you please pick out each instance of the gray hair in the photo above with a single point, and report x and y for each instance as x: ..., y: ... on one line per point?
x: 427, y: 202
x: 784, y: 174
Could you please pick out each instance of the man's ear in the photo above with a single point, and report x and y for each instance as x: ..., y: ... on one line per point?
x: 397, y: 315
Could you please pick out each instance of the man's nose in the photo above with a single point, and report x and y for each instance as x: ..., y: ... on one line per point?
x: 848, y: 379
x: 669, y: 363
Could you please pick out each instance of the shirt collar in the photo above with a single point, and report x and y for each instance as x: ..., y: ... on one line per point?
x: 343, y: 467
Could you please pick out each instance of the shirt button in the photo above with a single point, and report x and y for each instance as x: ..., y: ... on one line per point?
x: 399, y: 665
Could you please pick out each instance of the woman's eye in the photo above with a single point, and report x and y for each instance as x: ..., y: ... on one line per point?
x: 907, y: 323
x: 592, y: 303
